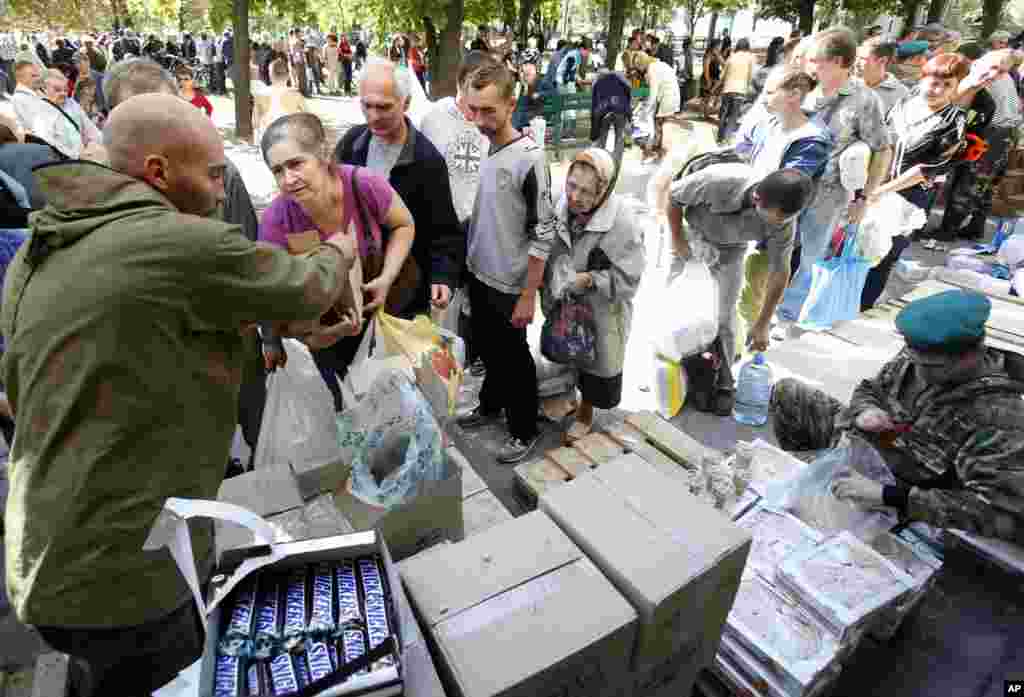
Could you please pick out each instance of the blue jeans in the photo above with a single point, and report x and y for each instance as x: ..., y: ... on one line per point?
x: 814, y: 228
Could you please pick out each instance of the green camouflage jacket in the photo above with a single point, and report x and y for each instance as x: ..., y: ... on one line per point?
x: 969, y: 438
x: 123, y: 365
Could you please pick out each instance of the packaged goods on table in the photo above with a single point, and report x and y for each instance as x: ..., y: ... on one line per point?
x: 781, y: 639
x: 845, y: 582
x: 776, y: 535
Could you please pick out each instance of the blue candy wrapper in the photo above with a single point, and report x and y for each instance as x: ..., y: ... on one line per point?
x: 237, y: 637
x: 318, y: 657
x: 321, y: 618
x: 353, y: 646
x: 227, y: 676
x: 295, y: 604
x: 283, y: 679
x: 349, y: 611
x: 267, y: 637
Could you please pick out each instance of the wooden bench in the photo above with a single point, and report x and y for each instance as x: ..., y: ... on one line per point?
x: 563, y: 133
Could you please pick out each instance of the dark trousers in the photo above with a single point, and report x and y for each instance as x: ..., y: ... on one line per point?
x: 729, y: 114
x: 334, y: 361
x: 613, y: 123
x: 8, y: 77
x: 511, y: 381
x: 220, y: 84
x: 129, y: 661
x: 346, y: 67
x: 878, y: 276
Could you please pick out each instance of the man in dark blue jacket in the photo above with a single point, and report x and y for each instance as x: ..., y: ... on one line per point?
x: 391, y: 146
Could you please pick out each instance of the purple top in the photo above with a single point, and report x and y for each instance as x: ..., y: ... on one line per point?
x: 285, y: 216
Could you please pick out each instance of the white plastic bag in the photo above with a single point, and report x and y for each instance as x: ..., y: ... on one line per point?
x: 891, y: 215
x: 298, y: 420
x: 693, y: 324
x: 395, y: 442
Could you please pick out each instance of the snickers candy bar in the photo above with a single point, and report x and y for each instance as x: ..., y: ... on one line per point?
x: 227, y: 676
x: 267, y: 636
x: 349, y: 613
x: 319, y: 659
x: 301, y: 669
x: 295, y: 600
x: 353, y: 646
x: 256, y: 680
x: 377, y: 627
x: 237, y: 635
x: 321, y: 619
x: 283, y: 679
x: 370, y: 576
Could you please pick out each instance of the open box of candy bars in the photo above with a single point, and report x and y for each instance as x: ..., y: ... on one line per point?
x: 311, y: 618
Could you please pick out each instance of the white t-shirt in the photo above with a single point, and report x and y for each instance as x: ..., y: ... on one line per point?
x: 462, y: 145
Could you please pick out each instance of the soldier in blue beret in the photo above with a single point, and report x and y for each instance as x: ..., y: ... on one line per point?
x: 946, y: 414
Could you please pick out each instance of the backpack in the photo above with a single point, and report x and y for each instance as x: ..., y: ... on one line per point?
x: 706, y: 159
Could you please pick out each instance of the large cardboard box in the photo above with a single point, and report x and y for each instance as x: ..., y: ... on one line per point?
x: 519, y: 611
x: 677, y: 559
x: 434, y: 515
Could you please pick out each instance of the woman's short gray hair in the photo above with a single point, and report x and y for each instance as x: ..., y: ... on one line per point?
x: 402, y: 76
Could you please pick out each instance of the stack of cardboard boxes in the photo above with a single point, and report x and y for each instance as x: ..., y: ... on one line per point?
x: 619, y: 585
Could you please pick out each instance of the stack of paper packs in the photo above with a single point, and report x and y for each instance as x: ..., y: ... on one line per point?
x: 776, y: 535
x: 918, y: 563
x: 774, y: 641
x: 845, y: 583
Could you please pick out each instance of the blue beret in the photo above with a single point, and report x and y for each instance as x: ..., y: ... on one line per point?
x: 911, y: 48
x: 949, y: 322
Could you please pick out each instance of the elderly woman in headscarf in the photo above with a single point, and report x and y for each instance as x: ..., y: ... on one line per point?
x: 601, y: 236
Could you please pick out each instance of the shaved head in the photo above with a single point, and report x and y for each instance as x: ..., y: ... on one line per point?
x: 165, y: 141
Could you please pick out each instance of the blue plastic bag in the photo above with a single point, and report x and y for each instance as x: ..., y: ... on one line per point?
x: 393, y: 432
x: 836, y: 287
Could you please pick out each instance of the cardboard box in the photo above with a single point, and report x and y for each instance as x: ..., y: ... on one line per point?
x: 434, y: 515
x: 519, y: 611
x: 171, y: 530
x: 677, y: 560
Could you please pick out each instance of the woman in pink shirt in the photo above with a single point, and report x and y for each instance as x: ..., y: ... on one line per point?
x: 318, y: 199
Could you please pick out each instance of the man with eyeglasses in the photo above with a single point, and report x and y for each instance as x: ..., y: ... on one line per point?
x: 946, y: 414
x: 725, y: 208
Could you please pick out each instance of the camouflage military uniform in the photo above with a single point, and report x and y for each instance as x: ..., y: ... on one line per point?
x: 964, y: 453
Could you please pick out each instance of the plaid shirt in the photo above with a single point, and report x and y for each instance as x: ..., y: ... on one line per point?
x: 965, y: 444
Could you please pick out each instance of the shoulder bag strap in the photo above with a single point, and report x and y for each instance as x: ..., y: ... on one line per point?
x: 65, y: 115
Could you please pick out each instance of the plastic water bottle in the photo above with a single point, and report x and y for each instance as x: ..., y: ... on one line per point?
x: 753, y: 392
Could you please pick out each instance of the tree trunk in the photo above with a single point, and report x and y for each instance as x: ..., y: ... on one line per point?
x: 243, y: 91
x: 526, y: 8
x: 936, y: 9
x: 445, y: 71
x: 909, y: 14
x: 991, y: 10
x: 807, y: 17
x: 430, y: 31
x: 712, y: 25
x: 616, y: 21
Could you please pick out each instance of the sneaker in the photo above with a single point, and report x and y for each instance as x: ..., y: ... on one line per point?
x: 477, y: 368
x: 515, y: 450
x: 476, y: 418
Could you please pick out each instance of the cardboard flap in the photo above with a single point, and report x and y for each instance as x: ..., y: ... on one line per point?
x: 486, y: 565
x: 263, y: 491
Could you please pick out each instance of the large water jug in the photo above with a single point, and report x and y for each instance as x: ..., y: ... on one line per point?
x: 753, y: 392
